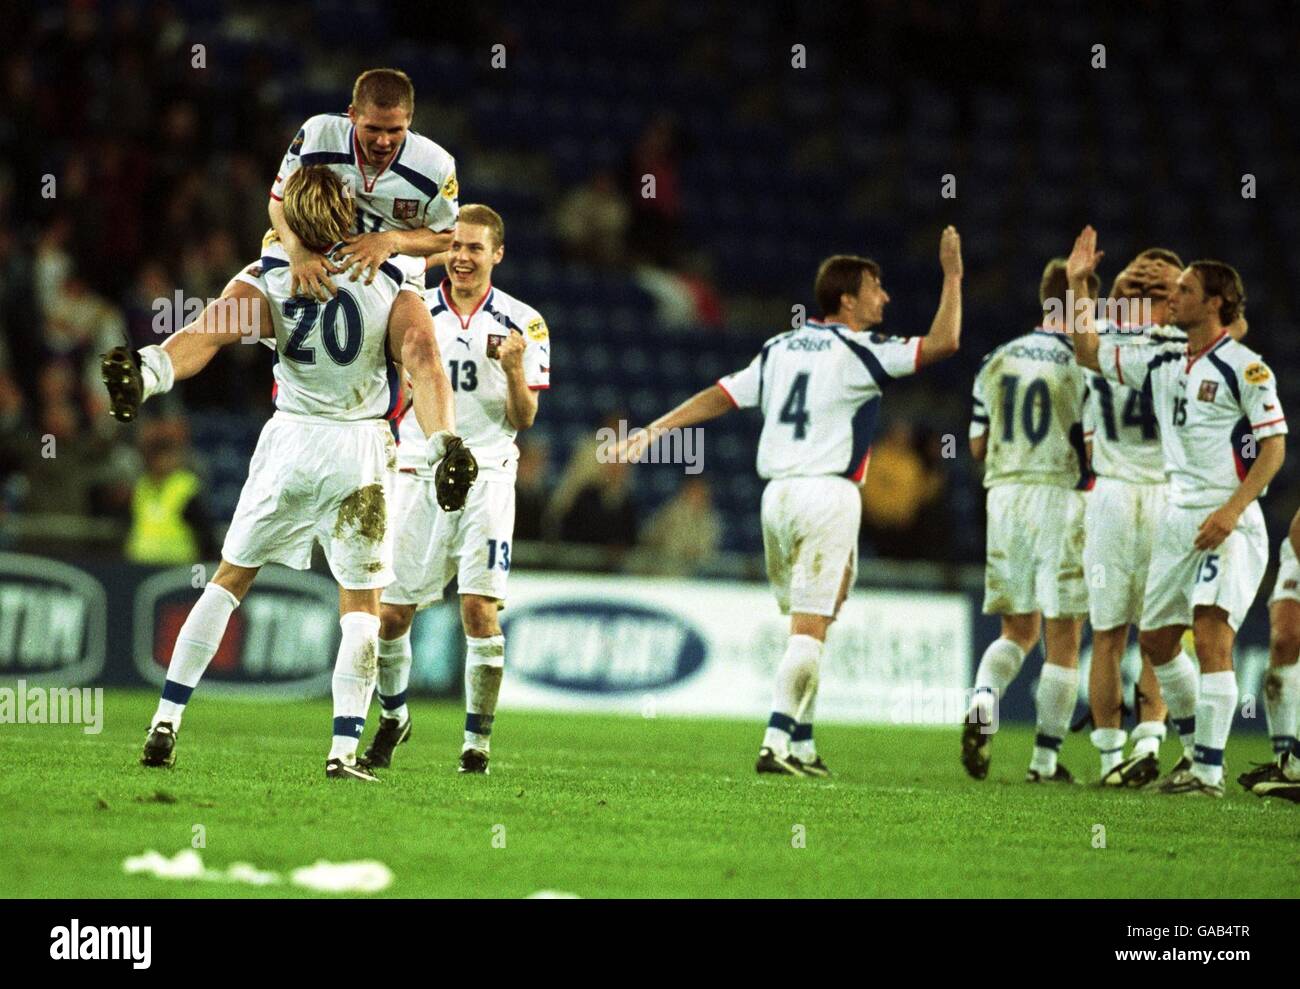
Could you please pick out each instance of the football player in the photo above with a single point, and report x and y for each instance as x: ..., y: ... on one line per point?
x: 819, y: 388
x: 1124, y: 505
x: 321, y: 469
x: 497, y: 354
x: 1281, y: 777
x: 1216, y: 403
x: 403, y: 183
x: 1027, y: 429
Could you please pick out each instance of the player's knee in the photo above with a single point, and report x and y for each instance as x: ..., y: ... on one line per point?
x: 394, y: 620
x: 1157, y: 645
x: 1284, y: 645
x: 418, y: 350
x: 478, y: 615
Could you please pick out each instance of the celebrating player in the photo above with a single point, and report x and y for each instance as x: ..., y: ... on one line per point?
x: 1027, y: 428
x: 497, y: 353
x: 1281, y: 777
x: 1124, y: 505
x: 1216, y: 404
x: 322, y: 463
x: 819, y: 389
x: 404, y: 184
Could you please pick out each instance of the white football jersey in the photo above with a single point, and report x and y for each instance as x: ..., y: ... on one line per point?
x: 1029, y: 401
x: 417, y: 188
x: 331, y: 358
x: 1119, y: 420
x: 819, y: 390
x: 1206, y: 405
x: 477, y: 380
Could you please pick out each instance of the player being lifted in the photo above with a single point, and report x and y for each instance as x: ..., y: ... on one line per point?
x: 404, y: 184
x: 1281, y: 777
x: 1027, y: 428
x: 322, y: 463
x: 1216, y: 403
x: 497, y: 354
x: 819, y: 389
x: 1124, y: 506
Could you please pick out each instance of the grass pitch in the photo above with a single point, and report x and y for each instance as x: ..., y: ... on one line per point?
x: 613, y: 806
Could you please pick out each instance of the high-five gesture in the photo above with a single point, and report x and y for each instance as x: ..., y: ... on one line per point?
x: 1084, y: 258
x: 950, y: 252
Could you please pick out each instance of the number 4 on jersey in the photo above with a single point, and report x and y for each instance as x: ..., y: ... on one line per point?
x: 794, y: 411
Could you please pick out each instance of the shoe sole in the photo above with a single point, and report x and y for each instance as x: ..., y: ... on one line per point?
x: 122, y: 379
x: 349, y: 773
x: 1132, y: 777
x: 1286, y: 789
x: 974, y: 751
x: 777, y: 767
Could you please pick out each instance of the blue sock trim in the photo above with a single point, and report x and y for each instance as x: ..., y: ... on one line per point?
x: 1283, y: 744
x: 349, y: 727
x: 393, y: 702
x: 1111, y: 751
x: 175, y: 692
x: 479, y: 724
x: 802, y: 732
x: 1185, y: 726
x: 983, y: 690
x: 782, y: 722
x: 1207, y: 756
x: 1047, y: 742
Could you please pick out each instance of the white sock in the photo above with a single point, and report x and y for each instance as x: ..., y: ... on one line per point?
x: 1178, y: 684
x: 1281, y: 705
x: 196, y: 644
x: 355, y: 672
x: 1214, y: 711
x: 156, y: 371
x: 394, y: 675
x: 999, y: 665
x: 1058, y: 692
x: 1148, y: 737
x: 802, y: 745
x: 795, y: 677
x: 485, y: 661
x: 1110, y: 744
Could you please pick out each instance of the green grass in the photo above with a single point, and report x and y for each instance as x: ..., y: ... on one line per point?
x: 613, y: 806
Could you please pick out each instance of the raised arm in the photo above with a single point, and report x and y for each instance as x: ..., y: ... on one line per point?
x: 1079, y: 267
x: 944, y: 337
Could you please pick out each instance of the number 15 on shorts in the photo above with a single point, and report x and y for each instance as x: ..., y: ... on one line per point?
x: 1208, y: 571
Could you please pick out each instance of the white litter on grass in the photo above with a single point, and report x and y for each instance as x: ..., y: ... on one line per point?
x: 344, y: 877
x: 552, y: 894
x: 328, y: 877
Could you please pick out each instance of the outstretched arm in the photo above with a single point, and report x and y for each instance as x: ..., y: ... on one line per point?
x: 242, y: 313
x: 944, y: 337
x: 700, y: 407
x: 1079, y: 267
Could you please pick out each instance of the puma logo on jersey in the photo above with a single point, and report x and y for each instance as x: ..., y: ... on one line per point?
x: 464, y: 340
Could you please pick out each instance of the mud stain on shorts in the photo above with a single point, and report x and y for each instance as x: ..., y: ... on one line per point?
x: 365, y: 512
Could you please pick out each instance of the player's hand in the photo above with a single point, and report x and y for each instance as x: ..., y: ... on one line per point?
x: 950, y: 252
x: 1216, y: 528
x: 362, y: 254
x: 635, y: 447
x: 511, y: 353
x: 310, y: 276
x: 1084, y: 257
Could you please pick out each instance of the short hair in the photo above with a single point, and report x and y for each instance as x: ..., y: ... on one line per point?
x: 485, y: 216
x: 838, y: 275
x: 1055, y: 283
x: 317, y: 208
x: 384, y: 88
x: 1221, y: 279
x: 1161, y: 254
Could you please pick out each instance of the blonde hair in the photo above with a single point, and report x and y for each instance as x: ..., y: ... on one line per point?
x: 383, y: 89
x: 485, y: 216
x: 317, y: 207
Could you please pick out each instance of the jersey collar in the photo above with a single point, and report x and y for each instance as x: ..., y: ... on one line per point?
x: 1214, y: 344
x: 444, y: 287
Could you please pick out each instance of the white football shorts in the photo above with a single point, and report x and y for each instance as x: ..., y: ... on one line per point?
x: 1034, y: 556
x: 810, y: 537
x: 1120, y: 525
x: 313, y: 480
